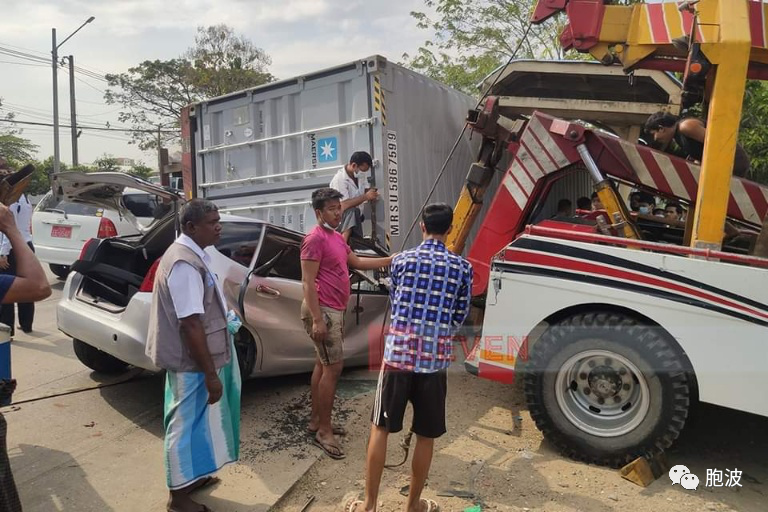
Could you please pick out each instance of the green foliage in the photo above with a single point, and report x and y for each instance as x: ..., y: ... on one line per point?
x: 40, y: 183
x: 17, y: 149
x: 471, y: 38
x: 223, y: 62
x: 153, y: 93
x: 141, y: 171
x: 107, y: 163
x: 753, y: 133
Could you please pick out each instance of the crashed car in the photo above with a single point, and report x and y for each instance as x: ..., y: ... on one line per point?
x: 106, y: 299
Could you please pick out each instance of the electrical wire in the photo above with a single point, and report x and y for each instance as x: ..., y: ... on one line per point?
x: 85, y: 127
x: 463, y: 131
x: 445, y: 166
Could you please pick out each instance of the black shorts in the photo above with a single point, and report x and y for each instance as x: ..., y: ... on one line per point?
x: 426, y: 391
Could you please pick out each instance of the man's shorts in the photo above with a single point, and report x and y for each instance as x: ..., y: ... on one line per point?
x: 331, y: 350
x: 426, y: 391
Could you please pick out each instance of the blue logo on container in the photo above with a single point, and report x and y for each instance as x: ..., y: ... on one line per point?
x: 327, y: 149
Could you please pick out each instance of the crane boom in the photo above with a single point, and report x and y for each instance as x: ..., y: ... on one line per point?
x: 726, y: 38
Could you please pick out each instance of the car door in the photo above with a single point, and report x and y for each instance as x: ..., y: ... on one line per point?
x: 364, y: 321
x: 271, y: 303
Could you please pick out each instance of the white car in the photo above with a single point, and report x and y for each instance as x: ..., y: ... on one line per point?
x: 106, y: 299
x: 60, y: 227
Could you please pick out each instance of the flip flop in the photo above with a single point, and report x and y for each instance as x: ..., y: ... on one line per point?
x: 327, y: 448
x: 337, y: 431
x: 432, y: 505
x: 351, y: 502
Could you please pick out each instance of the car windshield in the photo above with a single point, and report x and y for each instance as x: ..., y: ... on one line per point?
x: 50, y: 204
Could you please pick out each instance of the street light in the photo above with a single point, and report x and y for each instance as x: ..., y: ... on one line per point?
x: 55, y: 64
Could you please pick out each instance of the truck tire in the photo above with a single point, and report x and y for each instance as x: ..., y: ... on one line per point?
x: 60, y: 271
x: 97, y: 360
x: 604, y: 388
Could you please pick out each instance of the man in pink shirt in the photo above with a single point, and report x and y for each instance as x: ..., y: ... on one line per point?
x: 325, y: 262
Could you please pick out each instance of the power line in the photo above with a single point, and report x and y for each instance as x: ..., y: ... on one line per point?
x: 23, y: 64
x: 43, y: 60
x: 89, y: 85
x: 30, y: 123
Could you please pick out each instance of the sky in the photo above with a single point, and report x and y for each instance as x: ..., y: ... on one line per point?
x: 301, y: 36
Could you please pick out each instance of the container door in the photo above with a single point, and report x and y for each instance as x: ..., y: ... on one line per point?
x: 261, y: 154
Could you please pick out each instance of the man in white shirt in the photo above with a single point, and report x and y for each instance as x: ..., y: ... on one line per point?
x: 348, y: 182
x: 22, y: 213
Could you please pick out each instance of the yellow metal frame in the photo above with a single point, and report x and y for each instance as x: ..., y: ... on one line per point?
x: 726, y: 41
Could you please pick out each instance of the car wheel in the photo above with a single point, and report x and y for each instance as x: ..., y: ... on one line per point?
x: 98, y: 360
x: 60, y: 271
x: 604, y: 388
x: 246, y: 352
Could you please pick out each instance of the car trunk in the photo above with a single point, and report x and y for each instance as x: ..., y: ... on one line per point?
x: 115, y: 269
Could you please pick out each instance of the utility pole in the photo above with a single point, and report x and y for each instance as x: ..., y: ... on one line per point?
x: 159, y: 152
x: 72, y: 109
x: 55, y: 62
x: 54, y: 65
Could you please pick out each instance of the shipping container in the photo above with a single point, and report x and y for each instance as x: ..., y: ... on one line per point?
x: 261, y: 152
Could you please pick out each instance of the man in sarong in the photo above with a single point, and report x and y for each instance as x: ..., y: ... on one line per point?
x: 188, y: 337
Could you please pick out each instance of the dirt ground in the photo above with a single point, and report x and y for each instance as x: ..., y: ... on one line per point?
x: 509, y: 469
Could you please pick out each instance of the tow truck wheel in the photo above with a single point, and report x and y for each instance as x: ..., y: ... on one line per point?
x: 606, y: 389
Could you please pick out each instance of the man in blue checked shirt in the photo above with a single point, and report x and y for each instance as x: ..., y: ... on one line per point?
x: 430, y: 295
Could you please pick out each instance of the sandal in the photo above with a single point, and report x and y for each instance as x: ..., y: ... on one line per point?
x: 351, y: 502
x: 432, y: 505
x: 332, y: 450
x: 337, y: 431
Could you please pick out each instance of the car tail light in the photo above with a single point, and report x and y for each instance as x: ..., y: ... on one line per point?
x: 85, y: 248
x: 107, y: 228
x: 148, y: 284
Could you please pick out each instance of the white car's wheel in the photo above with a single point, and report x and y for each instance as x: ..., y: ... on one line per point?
x: 97, y: 360
x: 60, y: 271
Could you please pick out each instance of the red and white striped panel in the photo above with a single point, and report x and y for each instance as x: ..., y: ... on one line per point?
x: 664, y: 22
x: 676, y: 177
x: 538, y: 155
x: 542, y: 153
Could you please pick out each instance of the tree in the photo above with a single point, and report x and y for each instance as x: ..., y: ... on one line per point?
x: 753, y: 133
x: 141, y: 171
x: 153, y: 93
x: 107, y: 163
x: 471, y: 38
x: 16, y: 149
x: 224, y: 62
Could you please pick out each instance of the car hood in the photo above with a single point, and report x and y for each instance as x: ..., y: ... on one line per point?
x: 105, y: 190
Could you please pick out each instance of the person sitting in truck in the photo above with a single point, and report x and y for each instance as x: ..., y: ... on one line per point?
x: 673, y: 212
x: 348, y: 182
x: 684, y: 137
x: 597, y: 204
x: 584, y: 203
